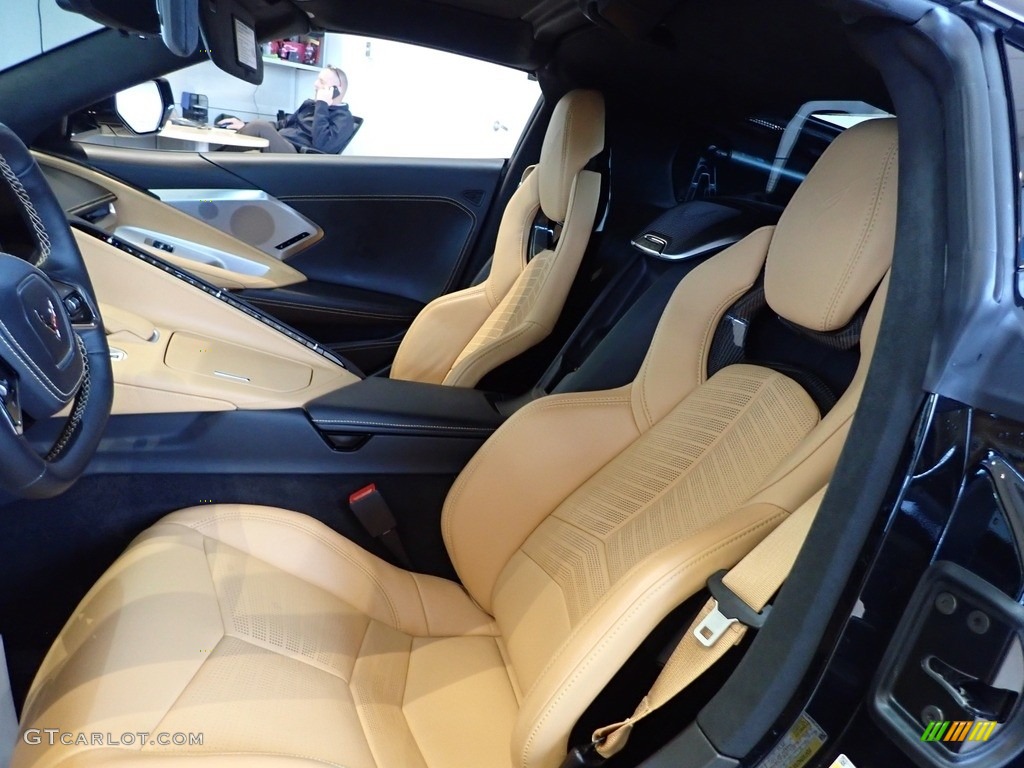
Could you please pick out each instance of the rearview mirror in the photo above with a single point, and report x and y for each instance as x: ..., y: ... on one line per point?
x: 142, y: 107
x: 179, y: 25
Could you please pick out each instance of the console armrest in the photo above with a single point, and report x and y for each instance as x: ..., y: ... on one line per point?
x: 380, y: 406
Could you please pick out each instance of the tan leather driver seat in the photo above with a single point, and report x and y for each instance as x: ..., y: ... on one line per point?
x: 576, y: 528
x: 458, y: 338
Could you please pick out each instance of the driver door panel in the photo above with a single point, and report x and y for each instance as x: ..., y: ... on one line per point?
x: 397, y: 233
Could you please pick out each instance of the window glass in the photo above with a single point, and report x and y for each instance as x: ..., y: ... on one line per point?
x: 413, y: 101
x: 1014, y: 58
x: 1015, y: 71
x: 30, y: 27
x: 767, y: 154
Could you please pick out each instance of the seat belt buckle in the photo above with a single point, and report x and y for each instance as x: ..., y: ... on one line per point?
x: 373, y: 512
x: 729, y: 609
x: 583, y: 757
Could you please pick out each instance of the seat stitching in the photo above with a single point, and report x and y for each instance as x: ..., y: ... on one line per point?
x: 463, y: 354
x: 488, y: 448
x: 662, y: 328
x: 301, y: 659
x: 490, y: 349
x: 564, y: 168
x: 441, y: 301
x: 698, y: 462
x: 505, y: 336
x: 701, y: 460
x: 362, y: 722
x: 824, y: 438
x: 524, y: 229
x: 220, y: 612
x: 712, y: 322
x: 666, y: 581
x: 880, y: 185
x: 405, y: 690
x: 256, y: 516
x: 506, y: 659
x: 192, y: 679
x: 423, y: 604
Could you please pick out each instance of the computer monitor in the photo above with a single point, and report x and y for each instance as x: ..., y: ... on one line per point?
x: 195, y: 106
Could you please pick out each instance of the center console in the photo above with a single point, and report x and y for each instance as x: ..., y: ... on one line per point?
x: 352, y: 415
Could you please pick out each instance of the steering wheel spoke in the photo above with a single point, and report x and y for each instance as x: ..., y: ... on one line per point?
x: 10, y: 402
x: 76, y: 303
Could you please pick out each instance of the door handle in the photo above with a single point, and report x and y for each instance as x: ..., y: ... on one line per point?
x: 973, y: 694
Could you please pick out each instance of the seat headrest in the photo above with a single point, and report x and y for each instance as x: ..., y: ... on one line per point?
x: 835, y: 239
x: 574, y: 136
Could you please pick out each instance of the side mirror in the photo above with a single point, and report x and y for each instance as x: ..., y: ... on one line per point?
x: 142, y: 107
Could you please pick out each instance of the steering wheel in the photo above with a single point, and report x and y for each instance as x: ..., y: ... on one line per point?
x: 47, y: 360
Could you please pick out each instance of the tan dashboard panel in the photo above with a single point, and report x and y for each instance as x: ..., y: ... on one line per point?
x: 133, y: 208
x: 157, y: 376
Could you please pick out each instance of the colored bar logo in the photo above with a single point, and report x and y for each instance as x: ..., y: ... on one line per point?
x: 959, y: 730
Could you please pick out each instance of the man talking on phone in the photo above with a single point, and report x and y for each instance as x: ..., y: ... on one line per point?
x: 323, y: 123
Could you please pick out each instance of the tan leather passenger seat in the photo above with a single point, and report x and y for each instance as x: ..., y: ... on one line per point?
x: 460, y: 337
x: 577, y: 527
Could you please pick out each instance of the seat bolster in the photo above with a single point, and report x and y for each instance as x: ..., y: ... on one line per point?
x: 526, y: 469
x: 811, y: 464
x: 415, y: 604
x: 513, y: 238
x: 444, y: 328
x: 439, y: 333
x: 599, y: 646
x: 676, y: 362
x: 529, y: 311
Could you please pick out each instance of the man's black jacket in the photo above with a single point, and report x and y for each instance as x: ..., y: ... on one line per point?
x: 316, y: 124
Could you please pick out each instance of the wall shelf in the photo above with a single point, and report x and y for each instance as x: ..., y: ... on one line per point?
x: 293, y: 64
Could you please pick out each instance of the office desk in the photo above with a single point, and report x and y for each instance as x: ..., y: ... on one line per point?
x: 212, y: 136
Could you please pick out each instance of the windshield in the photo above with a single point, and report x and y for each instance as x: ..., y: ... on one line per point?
x: 31, y: 27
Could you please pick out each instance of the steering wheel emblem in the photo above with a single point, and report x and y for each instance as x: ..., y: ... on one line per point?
x: 49, y: 318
